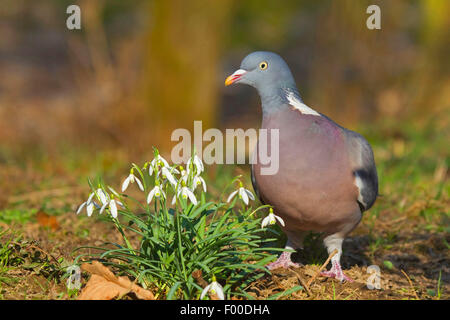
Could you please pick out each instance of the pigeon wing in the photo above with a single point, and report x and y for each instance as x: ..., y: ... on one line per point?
x: 365, y: 172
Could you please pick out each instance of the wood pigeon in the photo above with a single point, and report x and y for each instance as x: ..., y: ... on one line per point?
x: 326, y: 176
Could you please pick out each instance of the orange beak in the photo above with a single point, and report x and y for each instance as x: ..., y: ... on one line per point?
x: 234, y: 77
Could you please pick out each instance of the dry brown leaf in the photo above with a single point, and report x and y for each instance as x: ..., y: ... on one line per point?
x: 44, y: 220
x: 104, y: 285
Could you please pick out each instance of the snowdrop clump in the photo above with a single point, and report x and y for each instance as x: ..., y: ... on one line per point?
x: 184, y: 235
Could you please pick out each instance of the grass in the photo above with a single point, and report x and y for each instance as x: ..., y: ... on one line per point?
x: 17, y: 215
x: 408, y: 228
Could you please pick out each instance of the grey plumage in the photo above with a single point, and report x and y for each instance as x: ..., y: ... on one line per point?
x: 327, y: 175
x: 366, y: 171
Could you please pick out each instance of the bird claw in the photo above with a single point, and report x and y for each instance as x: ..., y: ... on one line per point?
x: 336, y: 272
x: 284, y: 261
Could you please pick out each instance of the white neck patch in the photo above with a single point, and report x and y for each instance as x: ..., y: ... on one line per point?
x: 298, y: 105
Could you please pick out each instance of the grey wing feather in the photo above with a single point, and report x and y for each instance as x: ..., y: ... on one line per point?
x: 365, y: 171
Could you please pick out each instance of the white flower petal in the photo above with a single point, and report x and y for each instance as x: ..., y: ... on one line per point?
x: 184, y: 176
x: 191, y: 197
x: 172, y: 180
x: 90, y: 209
x: 232, y: 195
x: 113, y: 208
x: 198, y: 163
x: 265, y: 221
x: 90, y: 197
x: 150, y: 169
x: 250, y: 194
x: 160, y: 159
x: 166, y: 164
x: 126, y: 183
x: 103, y: 207
x: 218, y: 290
x: 169, y: 176
x: 200, y: 180
x: 81, y: 207
x: 119, y: 203
x: 205, y: 291
x: 102, y: 196
x: 150, y: 195
x: 280, y: 220
x: 204, y: 184
x: 139, y: 183
x: 244, y: 195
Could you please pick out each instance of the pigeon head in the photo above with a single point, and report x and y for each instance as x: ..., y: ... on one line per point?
x: 268, y: 73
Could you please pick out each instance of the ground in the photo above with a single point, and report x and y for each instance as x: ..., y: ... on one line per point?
x: 405, y: 234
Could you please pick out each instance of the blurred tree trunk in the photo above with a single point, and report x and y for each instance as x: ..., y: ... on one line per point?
x: 185, y: 42
x: 432, y: 79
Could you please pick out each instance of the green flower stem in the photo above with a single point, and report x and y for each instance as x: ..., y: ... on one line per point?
x: 180, y: 251
x: 119, y: 227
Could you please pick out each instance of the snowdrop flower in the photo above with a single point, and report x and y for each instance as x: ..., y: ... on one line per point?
x: 184, y: 174
x: 158, y: 161
x: 168, y: 175
x: 199, y: 181
x: 101, y: 195
x: 215, y: 288
x: 150, y: 168
x: 112, y: 204
x: 131, y: 179
x: 244, y: 194
x: 271, y: 219
x: 187, y: 193
x: 197, y: 163
x: 90, y: 204
x: 156, y: 192
x: 89, y: 207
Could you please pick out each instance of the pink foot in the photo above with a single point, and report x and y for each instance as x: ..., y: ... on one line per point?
x: 283, y: 261
x: 336, y: 272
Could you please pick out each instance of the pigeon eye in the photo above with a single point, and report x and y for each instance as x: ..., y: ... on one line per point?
x: 263, y: 65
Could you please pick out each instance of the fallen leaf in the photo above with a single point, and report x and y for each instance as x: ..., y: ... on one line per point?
x: 104, y: 285
x: 44, y: 220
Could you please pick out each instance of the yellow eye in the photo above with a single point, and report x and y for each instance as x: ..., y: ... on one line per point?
x: 263, y: 65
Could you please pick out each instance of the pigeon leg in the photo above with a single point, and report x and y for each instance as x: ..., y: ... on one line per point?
x: 333, y: 242
x: 284, y: 260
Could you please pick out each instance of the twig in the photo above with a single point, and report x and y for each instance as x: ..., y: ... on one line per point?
x: 44, y: 252
x: 323, y: 266
x: 198, y: 277
x: 302, y: 282
x: 410, y: 284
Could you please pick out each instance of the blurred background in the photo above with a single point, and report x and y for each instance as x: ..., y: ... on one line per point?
x: 137, y: 70
x: 79, y: 104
